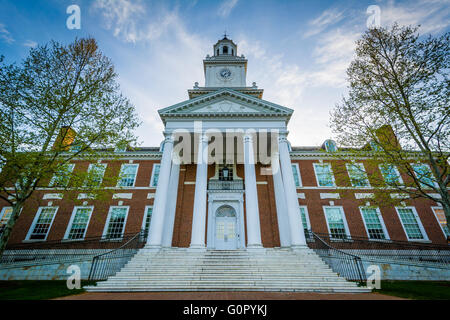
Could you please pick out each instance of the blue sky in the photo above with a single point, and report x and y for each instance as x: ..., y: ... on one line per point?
x: 298, y: 51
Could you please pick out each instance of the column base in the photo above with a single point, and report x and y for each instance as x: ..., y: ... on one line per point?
x: 152, y: 247
x: 197, y: 247
x: 255, y: 248
x: 299, y: 247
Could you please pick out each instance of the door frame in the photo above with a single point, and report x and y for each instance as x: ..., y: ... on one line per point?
x: 215, y: 201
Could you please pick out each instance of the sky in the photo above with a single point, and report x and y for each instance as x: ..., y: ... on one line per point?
x: 297, y: 51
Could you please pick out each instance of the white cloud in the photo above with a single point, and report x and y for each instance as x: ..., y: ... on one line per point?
x: 226, y: 7
x: 5, y: 35
x: 432, y: 15
x: 30, y: 43
x: 327, y: 18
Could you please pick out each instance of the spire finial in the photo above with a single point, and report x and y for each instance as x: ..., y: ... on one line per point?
x: 225, y: 35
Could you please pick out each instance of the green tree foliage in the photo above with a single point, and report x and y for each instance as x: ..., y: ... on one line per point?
x: 61, y: 103
x: 397, y: 110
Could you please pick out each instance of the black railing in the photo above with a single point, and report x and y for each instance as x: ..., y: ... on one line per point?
x: 47, y: 252
x: 226, y: 185
x: 344, y: 264
x: 388, y: 250
x: 109, y: 263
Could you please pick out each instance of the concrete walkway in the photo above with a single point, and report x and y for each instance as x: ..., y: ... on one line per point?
x: 226, y: 296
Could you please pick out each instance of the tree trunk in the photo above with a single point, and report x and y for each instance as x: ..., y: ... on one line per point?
x: 9, y: 226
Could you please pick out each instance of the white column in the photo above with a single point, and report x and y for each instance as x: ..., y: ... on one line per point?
x: 159, y: 206
x: 171, y: 206
x: 280, y: 200
x: 251, y: 196
x: 295, y: 223
x: 199, y: 217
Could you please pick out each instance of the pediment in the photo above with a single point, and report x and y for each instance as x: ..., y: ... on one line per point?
x: 225, y: 102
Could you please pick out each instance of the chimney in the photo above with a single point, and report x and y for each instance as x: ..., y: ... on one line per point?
x: 65, y: 139
x: 386, y: 139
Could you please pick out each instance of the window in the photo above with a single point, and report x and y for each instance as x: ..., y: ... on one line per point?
x: 305, y: 220
x: 115, y: 224
x: 357, y: 174
x: 96, y: 172
x: 330, y: 146
x: 337, y: 226
x: 5, y: 215
x: 62, y: 176
x: 147, y: 220
x: 324, y: 175
x: 78, y: 223
x: 423, y: 174
x: 442, y: 219
x: 155, y: 175
x: 296, y: 172
x: 373, y: 221
x: 411, y: 223
x: 128, y: 175
x: 225, y: 50
x: 42, y: 223
x: 391, y: 174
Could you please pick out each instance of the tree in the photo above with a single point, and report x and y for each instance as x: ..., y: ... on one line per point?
x: 61, y: 103
x: 397, y: 111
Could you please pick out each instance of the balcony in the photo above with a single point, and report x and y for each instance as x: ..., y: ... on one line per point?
x: 226, y: 185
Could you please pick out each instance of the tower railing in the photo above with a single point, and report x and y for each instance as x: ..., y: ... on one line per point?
x: 226, y: 185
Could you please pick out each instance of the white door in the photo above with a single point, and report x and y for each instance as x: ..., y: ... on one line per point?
x: 226, y: 237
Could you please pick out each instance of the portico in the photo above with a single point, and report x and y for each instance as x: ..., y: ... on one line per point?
x: 224, y: 125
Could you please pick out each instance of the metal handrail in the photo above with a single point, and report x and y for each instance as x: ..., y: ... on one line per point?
x: 344, y: 264
x: 109, y: 263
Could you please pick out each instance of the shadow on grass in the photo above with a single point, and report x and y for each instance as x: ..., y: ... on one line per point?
x: 37, y: 289
x: 419, y: 290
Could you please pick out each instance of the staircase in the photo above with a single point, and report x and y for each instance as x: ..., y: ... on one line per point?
x: 178, y: 269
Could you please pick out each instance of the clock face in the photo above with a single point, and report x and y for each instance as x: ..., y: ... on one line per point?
x: 225, y: 73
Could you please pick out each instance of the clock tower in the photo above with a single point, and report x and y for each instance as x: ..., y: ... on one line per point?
x: 225, y: 68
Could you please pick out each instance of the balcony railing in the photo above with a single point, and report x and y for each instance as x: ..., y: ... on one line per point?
x: 226, y: 185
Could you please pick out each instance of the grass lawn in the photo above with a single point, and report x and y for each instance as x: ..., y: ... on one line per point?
x: 36, y: 290
x: 420, y: 290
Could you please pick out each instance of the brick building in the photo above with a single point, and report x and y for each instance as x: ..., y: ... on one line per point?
x: 212, y: 185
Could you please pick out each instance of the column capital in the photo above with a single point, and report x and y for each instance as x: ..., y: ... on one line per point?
x: 248, y: 138
x: 168, y: 138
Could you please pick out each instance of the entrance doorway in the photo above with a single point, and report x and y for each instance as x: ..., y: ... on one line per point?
x: 225, y: 235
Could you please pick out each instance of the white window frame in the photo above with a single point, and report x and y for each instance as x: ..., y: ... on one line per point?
x: 308, y: 223
x: 153, y: 175
x: 347, y: 230
x: 383, y: 225
x: 434, y: 212
x: 400, y: 180
x: 55, y: 177
x: 145, y: 218
x: 72, y: 217
x: 3, y: 212
x: 92, y: 165
x: 105, y: 229
x: 299, y: 175
x: 135, y: 176
x: 36, y: 217
x: 419, y: 222
x: 332, y: 175
x: 429, y: 169
x: 360, y: 165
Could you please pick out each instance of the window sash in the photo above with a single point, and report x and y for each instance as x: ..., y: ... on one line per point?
x: 155, y: 175
x: 358, y: 175
x: 43, y: 223
x: 128, y: 175
x: 336, y: 223
x: 423, y: 174
x: 374, y: 226
x: 5, y: 215
x: 296, y: 173
x: 79, y: 223
x: 98, y: 171
x: 147, y: 220
x: 116, y: 222
x: 390, y: 174
x: 324, y: 175
x: 411, y: 224
x: 442, y: 220
x: 62, y: 177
